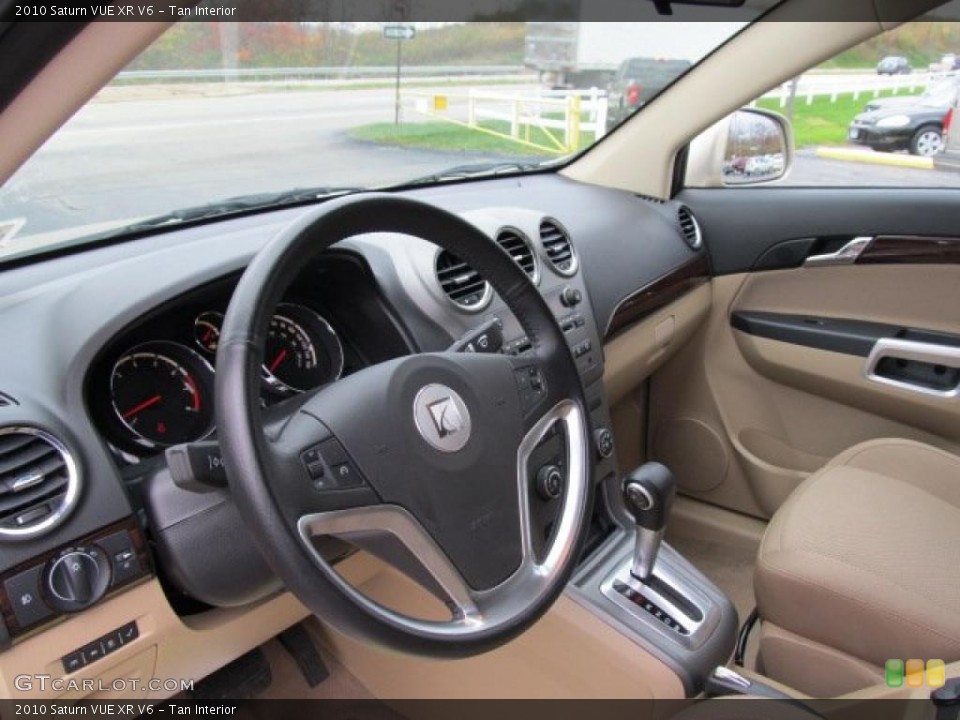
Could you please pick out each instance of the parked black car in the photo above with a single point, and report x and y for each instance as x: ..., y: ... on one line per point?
x: 894, y: 65
x: 909, y: 123
x: 637, y: 81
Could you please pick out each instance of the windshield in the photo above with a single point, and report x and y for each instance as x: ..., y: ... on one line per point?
x: 220, y: 117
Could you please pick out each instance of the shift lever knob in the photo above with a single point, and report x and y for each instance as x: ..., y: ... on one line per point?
x: 648, y: 494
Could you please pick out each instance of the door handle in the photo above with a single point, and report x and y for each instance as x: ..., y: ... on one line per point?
x: 847, y: 255
x: 927, y: 368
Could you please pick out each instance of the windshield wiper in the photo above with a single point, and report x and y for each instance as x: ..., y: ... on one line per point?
x: 238, y: 204
x: 479, y: 170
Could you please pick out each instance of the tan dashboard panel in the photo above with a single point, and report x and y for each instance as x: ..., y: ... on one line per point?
x: 168, y: 647
x: 634, y: 355
x: 569, y: 653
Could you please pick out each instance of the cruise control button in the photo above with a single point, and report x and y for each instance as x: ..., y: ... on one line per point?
x: 23, y: 590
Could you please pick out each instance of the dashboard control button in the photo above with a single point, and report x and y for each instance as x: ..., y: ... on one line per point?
x: 124, y: 562
x: 73, y: 662
x: 570, y: 296
x: 603, y: 439
x: 92, y: 652
x: 77, y: 578
x: 23, y: 591
x: 128, y: 633
x: 110, y: 642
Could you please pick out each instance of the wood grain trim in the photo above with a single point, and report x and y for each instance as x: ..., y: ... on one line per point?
x: 911, y: 250
x: 658, y: 294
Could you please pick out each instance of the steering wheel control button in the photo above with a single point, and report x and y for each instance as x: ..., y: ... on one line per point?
x: 549, y: 482
x: 329, y: 467
x: 603, y: 439
x: 124, y: 562
x: 531, y: 386
x: 488, y: 338
x: 77, y: 578
x: 442, y: 418
x: 23, y: 593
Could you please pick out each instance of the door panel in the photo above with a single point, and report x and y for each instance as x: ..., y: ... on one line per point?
x: 756, y: 401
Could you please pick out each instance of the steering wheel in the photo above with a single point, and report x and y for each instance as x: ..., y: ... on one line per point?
x: 428, y: 451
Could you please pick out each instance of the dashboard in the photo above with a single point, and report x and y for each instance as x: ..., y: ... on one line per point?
x: 115, y: 362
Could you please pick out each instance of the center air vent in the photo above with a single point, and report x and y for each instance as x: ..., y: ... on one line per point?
x: 559, y: 249
x: 519, y: 249
x: 38, y: 482
x: 461, y: 283
x: 689, y: 228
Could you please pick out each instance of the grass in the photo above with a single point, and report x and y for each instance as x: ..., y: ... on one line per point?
x: 822, y: 122
x: 451, y: 137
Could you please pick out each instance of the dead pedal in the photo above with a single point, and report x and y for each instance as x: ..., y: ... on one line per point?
x: 297, y: 641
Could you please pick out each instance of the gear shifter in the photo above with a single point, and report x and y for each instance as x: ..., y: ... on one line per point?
x: 648, y: 494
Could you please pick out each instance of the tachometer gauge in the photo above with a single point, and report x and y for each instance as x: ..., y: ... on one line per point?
x: 302, y: 351
x: 162, y: 393
x: 206, y: 330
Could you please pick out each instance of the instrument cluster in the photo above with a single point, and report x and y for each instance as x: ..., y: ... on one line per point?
x: 154, y: 388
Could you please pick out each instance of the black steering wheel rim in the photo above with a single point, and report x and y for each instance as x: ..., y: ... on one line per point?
x: 488, y: 616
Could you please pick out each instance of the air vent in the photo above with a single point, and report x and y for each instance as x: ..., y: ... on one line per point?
x: 461, y: 283
x: 38, y: 482
x: 518, y: 248
x: 559, y: 249
x: 689, y: 228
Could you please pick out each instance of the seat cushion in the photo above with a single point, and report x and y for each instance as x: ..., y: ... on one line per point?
x: 863, y: 556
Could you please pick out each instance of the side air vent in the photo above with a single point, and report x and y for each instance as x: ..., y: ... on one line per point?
x: 461, y: 283
x: 38, y: 482
x: 515, y: 243
x: 689, y: 228
x: 559, y: 249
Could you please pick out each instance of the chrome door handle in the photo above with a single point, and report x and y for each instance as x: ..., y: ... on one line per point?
x: 847, y: 255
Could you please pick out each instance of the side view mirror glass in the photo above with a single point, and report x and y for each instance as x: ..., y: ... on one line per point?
x: 757, y: 148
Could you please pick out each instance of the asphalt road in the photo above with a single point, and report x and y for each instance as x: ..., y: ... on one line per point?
x: 122, y: 159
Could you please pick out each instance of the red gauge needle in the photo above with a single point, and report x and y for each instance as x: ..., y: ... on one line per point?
x: 143, y: 406
x: 277, y: 360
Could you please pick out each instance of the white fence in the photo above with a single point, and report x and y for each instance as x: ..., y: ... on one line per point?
x: 549, y: 120
x: 818, y: 85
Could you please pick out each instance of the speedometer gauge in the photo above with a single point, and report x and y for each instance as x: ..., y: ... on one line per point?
x: 302, y: 351
x: 162, y: 393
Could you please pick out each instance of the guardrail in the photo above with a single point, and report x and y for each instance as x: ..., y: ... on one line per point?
x: 316, y: 73
x: 571, y: 112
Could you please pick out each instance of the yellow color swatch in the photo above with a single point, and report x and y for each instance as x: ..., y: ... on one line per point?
x: 936, y: 673
x: 914, y: 673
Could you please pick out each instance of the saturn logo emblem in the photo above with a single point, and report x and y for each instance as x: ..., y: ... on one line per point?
x: 442, y: 418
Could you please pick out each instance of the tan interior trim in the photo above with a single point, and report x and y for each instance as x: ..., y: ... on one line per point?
x: 701, y: 521
x: 569, y: 653
x: 169, y: 647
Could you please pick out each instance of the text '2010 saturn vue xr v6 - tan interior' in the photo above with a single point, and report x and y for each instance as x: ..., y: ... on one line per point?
x: 480, y: 360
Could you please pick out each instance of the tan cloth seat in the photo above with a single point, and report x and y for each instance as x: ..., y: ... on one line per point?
x: 862, y: 565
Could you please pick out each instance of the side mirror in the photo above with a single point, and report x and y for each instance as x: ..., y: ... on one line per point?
x: 749, y: 147
x: 757, y: 148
